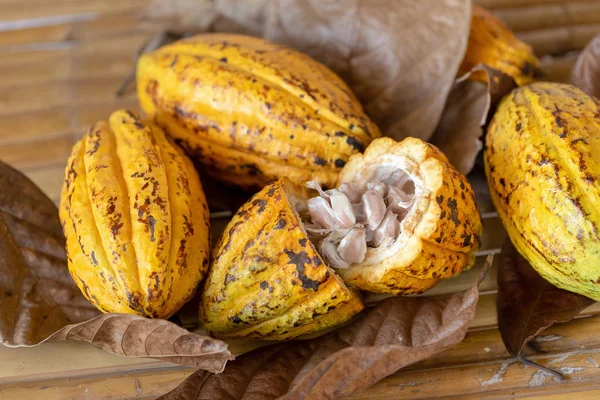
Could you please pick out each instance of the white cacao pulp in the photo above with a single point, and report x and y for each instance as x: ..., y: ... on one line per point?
x: 346, y: 221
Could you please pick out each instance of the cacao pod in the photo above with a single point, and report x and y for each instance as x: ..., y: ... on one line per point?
x: 542, y: 161
x: 439, y: 230
x: 252, y: 111
x: 267, y: 281
x: 135, y: 219
x: 493, y: 44
x: 401, y: 219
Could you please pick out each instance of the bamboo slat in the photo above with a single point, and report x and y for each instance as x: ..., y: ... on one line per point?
x: 131, y: 385
x: 28, y: 126
x: 13, y: 10
x: 559, y: 40
x: 545, y: 16
x: 39, y: 154
x: 518, y: 4
x: 52, y: 33
x: 16, y: 59
x: 35, y: 96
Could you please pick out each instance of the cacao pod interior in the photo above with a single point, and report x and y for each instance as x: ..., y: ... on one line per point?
x: 361, y: 220
x: 400, y: 219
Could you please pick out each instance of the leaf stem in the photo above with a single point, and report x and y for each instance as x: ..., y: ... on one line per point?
x: 551, y: 371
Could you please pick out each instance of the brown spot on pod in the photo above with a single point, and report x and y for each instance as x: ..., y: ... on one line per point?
x: 261, y: 204
x: 280, y: 224
x: 300, y: 260
x: 93, y: 257
x: 453, y: 206
x: 319, y: 161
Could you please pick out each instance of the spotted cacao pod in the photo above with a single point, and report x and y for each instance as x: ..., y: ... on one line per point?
x: 493, y: 44
x: 401, y: 219
x: 252, y: 111
x: 542, y: 160
x: 438, y: 224
x: 135, y: 219
x: 267, y: 281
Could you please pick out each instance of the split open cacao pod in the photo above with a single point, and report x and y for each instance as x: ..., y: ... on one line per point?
x: 135, y: 219
x: 253, y: 111
x: 542, y: 160
x: 400, y: 219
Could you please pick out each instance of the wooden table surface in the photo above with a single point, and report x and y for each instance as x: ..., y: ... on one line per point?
x: 60, y: 64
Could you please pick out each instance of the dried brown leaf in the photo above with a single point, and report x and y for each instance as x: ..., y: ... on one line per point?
x: 586, y: 71
x: 38, y: 298
x: 34, y: 281
x: 527, y: 304
x: 468, y: 109
x: 399, y: 57
x: 398, y: 332
x: 136, y: 336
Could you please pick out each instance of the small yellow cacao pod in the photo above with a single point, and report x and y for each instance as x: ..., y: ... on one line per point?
x: 493, y: 44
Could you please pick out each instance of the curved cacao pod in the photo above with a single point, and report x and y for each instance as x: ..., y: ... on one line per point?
x: 252, y: 111
x: 542, y: 161
x: 493, y: 44
x: 135, y: 219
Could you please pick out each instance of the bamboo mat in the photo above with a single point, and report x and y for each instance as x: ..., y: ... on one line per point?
x: 60, y: 64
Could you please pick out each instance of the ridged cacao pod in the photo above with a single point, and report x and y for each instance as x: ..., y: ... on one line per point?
x: 542, y: 161
x: 135, y: 219
x: 493, y: 44
x: 277, y: 269
x: 252, y: 111
x: 267, y: 281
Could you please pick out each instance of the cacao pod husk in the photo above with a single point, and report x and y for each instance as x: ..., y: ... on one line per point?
x: 542, y: 161
x: 441, y: 232
x: 267, y: 281
x: 493, y: 44
x: 252, y: 111
x: 135, y: 219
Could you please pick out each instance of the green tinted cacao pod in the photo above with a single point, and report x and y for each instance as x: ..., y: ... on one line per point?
x: 542, y: 161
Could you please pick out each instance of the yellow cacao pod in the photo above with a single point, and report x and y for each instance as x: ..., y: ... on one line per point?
x: 279, y: 268
x: 267, y: 281
x: 440, y: 232
x: 135, y: 219
x: 542, y: 161
x: 252, y: 111
x: 493, y: 44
